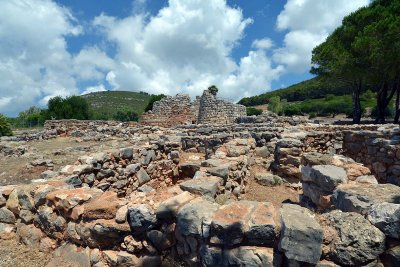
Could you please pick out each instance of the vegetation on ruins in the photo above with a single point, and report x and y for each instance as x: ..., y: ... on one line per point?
x: 213, y: 90
x: 250, y: 111
x: 153, y: 99
x: 5, y: 128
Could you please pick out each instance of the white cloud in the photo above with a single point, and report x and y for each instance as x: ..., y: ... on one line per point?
x: 264, y: 43
x: 184, y: 48
x: 92, y: 89
x: 308, y: 23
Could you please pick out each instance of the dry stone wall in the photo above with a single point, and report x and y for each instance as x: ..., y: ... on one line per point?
x: 170, y: 111
x: 218, y: 111
x: 378, y: 150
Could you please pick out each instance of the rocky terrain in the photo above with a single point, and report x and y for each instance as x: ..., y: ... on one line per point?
x: 270, y: 191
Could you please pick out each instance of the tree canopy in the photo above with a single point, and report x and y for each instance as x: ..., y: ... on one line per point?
x: 364, y: 50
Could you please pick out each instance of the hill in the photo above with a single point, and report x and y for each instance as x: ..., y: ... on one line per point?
x: 310, y: 89
x: 104, y: 105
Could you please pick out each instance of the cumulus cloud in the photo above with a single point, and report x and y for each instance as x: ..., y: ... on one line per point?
x: 93, y: 89
x: 308, y: 23
x: 184, y: 48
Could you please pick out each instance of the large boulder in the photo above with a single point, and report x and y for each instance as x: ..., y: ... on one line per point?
x: 361, y: 198
x: 207, y: 185
x: 141, y: 218
x: 170, y: 207
x: 301, y: 235
x: 327, y: 177
x: 250, y: 220
x: 249, y: 257
x: 351, y: 239
x: 193, y: 217
x: 386, y: 216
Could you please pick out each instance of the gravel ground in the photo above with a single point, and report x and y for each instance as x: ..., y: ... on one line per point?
x: 13, y: 254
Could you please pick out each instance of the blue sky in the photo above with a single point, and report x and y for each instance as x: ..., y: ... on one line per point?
x: 71, y: 47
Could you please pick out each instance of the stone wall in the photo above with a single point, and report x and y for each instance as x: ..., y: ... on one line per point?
x: 217, y: 111
x: 171, y: 111
x: 378, y: 150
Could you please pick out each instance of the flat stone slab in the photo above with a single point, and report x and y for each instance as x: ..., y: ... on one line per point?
x: 207, y: 185
x: 301, y: 235
x: 328, y: 177
x: 170, y: 207
x: 360, y: 199
x: 194, y: 218
x: 237, y: 220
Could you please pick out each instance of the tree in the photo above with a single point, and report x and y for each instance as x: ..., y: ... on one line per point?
x: 274, y: 104
x: 213, y: 90
x: 364, y: 50
x: 153, y: 99
x: 73, y: 107
x: 5, y: 128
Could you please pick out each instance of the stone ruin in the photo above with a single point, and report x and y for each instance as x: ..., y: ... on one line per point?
x: 179, y: 193
x: 178, y: 110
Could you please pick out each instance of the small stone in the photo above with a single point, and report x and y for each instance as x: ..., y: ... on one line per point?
x: 6, y: 216
x: 141, y: 218
x: 142, y: 176
x: 207, y: 185
x: 120, y: 217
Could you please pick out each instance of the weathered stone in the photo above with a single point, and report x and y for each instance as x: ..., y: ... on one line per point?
x: 262, y: 152
x: 211, y: 256
x: 76, y: 169
x: 228, y: 224
x: 301, y: 235
x: 26, y: 216
x: 120, y: 216
x: 391, y: 258
x: 169, y: 207
x: 317, y: 196
x: 103, y: 207
x: 6, y: 216
x: 356, y: 241
x: 50, y: 223
x: 13, y: 203
x: 386, y: 216
x: 268, y: 179
x: 131, y: 169
x: 66, y: 199
x: 328, y: 177
x: 29, y: 235
x: 41, y: 193
x: 261, y: 225
x: 360, y: 198
x: 159, y: 240
x: 207, y: 185
x: 126, y: 153
x: 220, y: 171
x: 7, y: 231
x: 73, y: 180
x: 249, y: 256
x: 366, y: 179
x: 103, y: 233
x: 193, y: 218
x: 142, y: 176
x: 70, y: 255
x: 3, y: 201
x: 141, y: 218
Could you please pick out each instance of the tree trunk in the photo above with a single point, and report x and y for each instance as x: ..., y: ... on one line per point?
x: 383, y: 100
x: 397, y: 107
x: 356, y: 102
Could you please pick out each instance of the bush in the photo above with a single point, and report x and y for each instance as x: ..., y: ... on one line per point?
x: 250, y: 111
x: 126, y: 115
x: 274, y: 104
x: 5, y: 128
x: 291, y: 110
x: 213, y: 90
x: 312, y: 115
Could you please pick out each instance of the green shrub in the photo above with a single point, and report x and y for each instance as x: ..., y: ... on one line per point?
x: 126, y: 115
x: 5, y: 128
x: 291, y: 110
x: 312, y: 115
x: 253, y: 111
x: 274, y: 104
